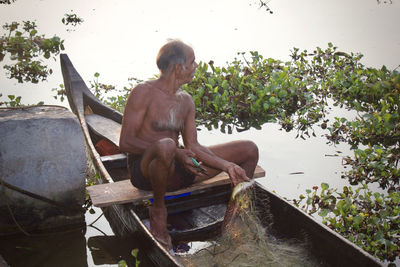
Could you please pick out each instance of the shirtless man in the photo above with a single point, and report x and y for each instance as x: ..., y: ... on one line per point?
x: 156, y: 113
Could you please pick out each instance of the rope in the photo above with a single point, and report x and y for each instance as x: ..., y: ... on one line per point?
x: 10, y: 211
x: 5, y: 184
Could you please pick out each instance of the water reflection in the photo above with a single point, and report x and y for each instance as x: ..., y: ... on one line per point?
x: 57, y: 249
x: 107, y: 250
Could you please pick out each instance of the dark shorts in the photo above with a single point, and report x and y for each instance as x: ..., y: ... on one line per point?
x: 186, y: 178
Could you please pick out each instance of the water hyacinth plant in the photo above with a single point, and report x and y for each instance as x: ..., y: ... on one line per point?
x: 27, y: 51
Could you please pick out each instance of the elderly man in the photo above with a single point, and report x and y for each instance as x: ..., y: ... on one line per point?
x: 156, y: 113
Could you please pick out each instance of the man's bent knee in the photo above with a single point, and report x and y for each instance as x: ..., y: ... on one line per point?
x: 251, y: 149
x: 165, y: 149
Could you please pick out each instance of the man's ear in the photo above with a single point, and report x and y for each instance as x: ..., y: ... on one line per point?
x: 178, y: 69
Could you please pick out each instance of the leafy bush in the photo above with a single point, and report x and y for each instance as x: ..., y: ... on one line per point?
x: 370, y: 220
x: 104, y: 92
x: 248, y: 94
x: 24, y: 47
x: 14, y: 101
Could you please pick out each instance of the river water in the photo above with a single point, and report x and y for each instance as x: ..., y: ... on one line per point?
x: 120, y: 39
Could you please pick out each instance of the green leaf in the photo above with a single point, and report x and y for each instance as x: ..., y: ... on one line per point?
x: 282, y: 93
x: 357, y: 220
x: 134, y: 252
x: 225, y: 85
x: 324, y: 186
x: 122, y: 263
x: 323, y: 213
x: 273, y: 100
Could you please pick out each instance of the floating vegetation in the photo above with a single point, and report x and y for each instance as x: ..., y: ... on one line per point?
x: 26, y: 50
x: 7, y: 2
x: 71, y: 20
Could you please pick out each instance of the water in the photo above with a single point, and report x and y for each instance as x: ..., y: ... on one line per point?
x: 120, y: 39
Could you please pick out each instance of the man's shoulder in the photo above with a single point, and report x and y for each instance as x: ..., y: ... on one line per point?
x: 141, y: 89
x: 185, y: 95
x: 188, y: 99
x: 142, y: 86
x: 140, y: 95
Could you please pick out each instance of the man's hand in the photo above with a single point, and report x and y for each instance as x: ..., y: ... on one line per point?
x: 237, y: 174
x: 183, y: 156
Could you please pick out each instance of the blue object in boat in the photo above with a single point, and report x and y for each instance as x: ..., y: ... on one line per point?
x: 174, y: 196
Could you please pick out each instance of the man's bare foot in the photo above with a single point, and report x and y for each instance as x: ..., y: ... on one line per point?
x: 158, y: 226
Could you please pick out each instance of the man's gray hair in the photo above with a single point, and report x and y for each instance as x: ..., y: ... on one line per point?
x: 170, y: 54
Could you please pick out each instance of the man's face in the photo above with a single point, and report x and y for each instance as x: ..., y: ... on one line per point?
x: 189, y: 67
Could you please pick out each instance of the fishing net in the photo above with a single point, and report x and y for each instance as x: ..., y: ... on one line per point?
x: 248, y: 242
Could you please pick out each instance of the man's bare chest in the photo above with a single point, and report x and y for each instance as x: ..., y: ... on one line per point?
x: 166, y: 115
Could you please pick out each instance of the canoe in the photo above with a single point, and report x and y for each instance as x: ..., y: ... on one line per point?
x: 194, y: 213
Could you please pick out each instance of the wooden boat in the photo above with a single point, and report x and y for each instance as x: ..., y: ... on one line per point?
x: 194, y: 213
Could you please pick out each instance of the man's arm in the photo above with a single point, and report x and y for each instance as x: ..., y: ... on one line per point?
x: 132, y: 121
x: 206, y: 156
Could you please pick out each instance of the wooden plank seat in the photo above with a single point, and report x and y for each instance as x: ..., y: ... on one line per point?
x: 104, y: 195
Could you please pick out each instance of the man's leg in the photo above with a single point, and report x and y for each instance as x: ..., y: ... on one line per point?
x: 158, y: 164
x: 243, y: 153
